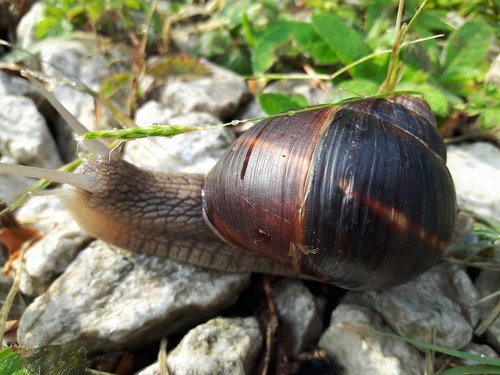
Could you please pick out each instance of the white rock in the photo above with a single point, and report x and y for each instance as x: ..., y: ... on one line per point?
x: 51, y: 255
x: 11, y: 185
x: 487, y: 283
x: 11, y: 85
x: 60, y: 244
x: 26, y: 27
x: 76, y: 60
x: 440, y: 299
x: 24, y: 135
x: 218, y: 94
x: 298, y: 311
x: 493, y: 75
x: 43, y: 212
x: 311, y: 93
x: 219, y: 346
x: 79, y: 61
x: 195, y: 152
x: 108, y: 299
x: 18, y: 304
x: 360, y: 353
x: 476, y: 172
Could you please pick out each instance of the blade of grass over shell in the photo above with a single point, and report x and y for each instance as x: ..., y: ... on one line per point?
x: 424, y: 345
x: 141, y: 132
x: 172, y: 130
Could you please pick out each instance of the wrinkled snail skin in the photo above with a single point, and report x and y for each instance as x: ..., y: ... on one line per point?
x: 154, y: 213
x: 357, y: 195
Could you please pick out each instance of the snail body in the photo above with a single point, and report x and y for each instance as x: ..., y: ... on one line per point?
x: 357, y: 195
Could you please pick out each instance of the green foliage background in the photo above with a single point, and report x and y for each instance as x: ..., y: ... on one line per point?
x: 257, y: 38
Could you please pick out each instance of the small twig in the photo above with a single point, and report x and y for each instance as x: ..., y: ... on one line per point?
x: 9, y: 299
x: 317, y: 354
x: 139, y: 65
x: 486, y: 298
x: 430, y: 355
x: 162, y: 357
x: 272, y: 326
x: 490, y: 318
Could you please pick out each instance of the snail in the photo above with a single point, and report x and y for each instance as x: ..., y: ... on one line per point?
x: 357, y: 195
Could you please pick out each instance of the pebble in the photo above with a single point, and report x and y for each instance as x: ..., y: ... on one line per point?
x: 299, y: 314
x: 475, y: 169
x: 195, y: 152
x: 109, y: 300
x: 364, y: 353
x: 218, y: 94
x: 438, y: 300
x: 24, y: 135
x: 219, y: 346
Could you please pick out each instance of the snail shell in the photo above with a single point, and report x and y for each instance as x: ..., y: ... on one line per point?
x: 357, y: 194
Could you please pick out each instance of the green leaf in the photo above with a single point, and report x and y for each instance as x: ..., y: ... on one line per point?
x: 433, y: 20
x: 354, y: 87
x: 114, y: 83
x: 247, y: 30
x: 10, y: 363
x: 56, y: 360
x: 347, y: 44
x: 465, y: 52
x: 273, y: 103
x: 264, y: 55
x: 311, y: 44
x: 434, y: 95
x: 180, y: 65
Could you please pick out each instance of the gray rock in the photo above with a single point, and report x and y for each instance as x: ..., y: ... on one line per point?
x: 109, y: 299
x: 10, y: 184
x: 24, y: 135
x: 487, y: 283
x: 219, y: 346
x: 11, y: 85
x: 476, y: 172
x: 80, y: 62
x: 440, y: 299
x: 42, y: 212
x: 218, y: 94
x: 75, y: 60
x: 493, y: 75
x: 298, y: 311
x: 361, y: 353
x: 18, y: 305
x: 195, y: 152
x: 51, y: 255
x: 313, y: 95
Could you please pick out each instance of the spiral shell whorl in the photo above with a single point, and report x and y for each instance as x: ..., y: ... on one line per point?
x: 348, y: 194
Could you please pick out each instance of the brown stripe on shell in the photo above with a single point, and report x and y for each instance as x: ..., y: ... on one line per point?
x: 262, y: 207
x: 397, y: 219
